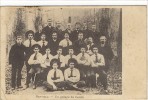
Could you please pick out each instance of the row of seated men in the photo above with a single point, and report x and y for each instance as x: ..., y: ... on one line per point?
x: 21, y: 52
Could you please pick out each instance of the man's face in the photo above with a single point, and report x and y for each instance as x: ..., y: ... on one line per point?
x: 69, y: 26
x: 36, y: 49
x: 77, y: 26
x: 49, y: 21
x: 93, y: 27
x: 55, y: 66
x: 43, y: 37
x: 95, y: 50
x: 66, y: 36
x: 83, y: 50
x: 80, y: 36
x: 19, y: 40
x: 103, y: 39
x: 58, y: 24
x: 54, y: 35
x: 71, y: 65
x: 71, y: 51
x: 30, y: 36
x: 47, y: 51
x: 59, y: 51
x: 40, y: 28
x: 90, y: 40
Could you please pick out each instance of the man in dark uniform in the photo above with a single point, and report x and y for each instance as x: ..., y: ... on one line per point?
x: 86, y: 31
x: 58, y: 30
x: 68, y: 30
x: 95, y: 34
x: 37, y: 36
x: 78, y: 43
x: 75, y: 33
x: 48, y: 30
x: 54, y: 43
x: 106, y: 51
x: 16, y: 61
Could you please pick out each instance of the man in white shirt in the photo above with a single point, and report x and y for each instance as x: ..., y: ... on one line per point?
x: 55, y: 78
x: 70, y: 55
x: 28, y: 44
x: 61, y: 58
x: 97, y: 64
x: 65, y: 43
x: 90, y: 44
x: 72, y: 76
x: 84, y: 63
x: 46, y: 63
x: 35, y: 62
x: 43, y: 43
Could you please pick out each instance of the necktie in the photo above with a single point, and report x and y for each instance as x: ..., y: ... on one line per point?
x: 59, y: 57
x: 35, y: 56
x: 29, y: 43
x: 96, y: 58
x: 89, y: 46
x: 47, y: 56
x: 70, y: 56
x: 71, y: 74
x: 67, y: 43
x: 43, y: 44
x: 55, y: 75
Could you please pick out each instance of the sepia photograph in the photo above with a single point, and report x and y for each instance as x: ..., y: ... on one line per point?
x: 68, y: 50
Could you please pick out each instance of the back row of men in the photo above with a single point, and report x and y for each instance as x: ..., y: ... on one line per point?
x: 39, y: 54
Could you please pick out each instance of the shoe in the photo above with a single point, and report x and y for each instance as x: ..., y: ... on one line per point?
x: 81, y: 90
x: 12, y: 89
x: 20, y: 86
x: 60, y: 89
x: 34, y: 87
x: 26, y: 86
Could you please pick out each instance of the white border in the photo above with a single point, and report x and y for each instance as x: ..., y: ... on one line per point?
x: 70, y: 2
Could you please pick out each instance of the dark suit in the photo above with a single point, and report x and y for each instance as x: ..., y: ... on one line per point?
x: 48, y: 31
x: 60, y: 33
x: 96, y: 36
x: 53, y: 46
x: 86, y: 33
x: 69, y: 32
x: 37, y: 36
x: 107, y: 52
x: 74, y: 35
x: 16, y: 58
x: 77, y: 45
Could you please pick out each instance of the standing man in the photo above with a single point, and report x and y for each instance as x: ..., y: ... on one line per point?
x: 78, y: 43
x: 72, y: 76
x: 37, y: 36
x: 58, y: 30
x: 75, y: 33
x: 97, y: 64
x: 43, y: 43
x: 106, y: 51
x: 69, y: 31
x: 54, y: 43
x: 48, y: 30
x: 55, y: 77
x: 28, y: 44
x: 16, y: 61
x: 65, y: 43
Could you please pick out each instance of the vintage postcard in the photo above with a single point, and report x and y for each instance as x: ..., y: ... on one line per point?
x: 73, y: 53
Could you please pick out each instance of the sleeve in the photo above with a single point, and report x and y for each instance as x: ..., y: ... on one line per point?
x: 78, y: 58
x: 60, y: 44
x: 102, y: 61
x: 63, y: 62
x: 49, y: 80
x: 88, y: 60
x: 92, y: 62
x: 11, y: 54
x: 31, y: 61
x: 66, y: 75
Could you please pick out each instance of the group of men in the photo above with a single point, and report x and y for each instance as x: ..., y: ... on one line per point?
x: 61, y: 59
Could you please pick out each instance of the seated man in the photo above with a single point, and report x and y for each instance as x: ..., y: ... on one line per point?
x: 70, y: 55
x: 46, y: 63
x: 61, y: 58
x: 55, y: 78
x: 35, y: 62
x: 72, y: 76
x: 84, y: 63
x: 97, y: 64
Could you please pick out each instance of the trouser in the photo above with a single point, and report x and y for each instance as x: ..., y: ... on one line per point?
x: 28, y: 67
x: 85, y: 73
x: 57, y: 84
x: 70, y: 85
x: 102, y: 77
x: 36, y: 72
x: 16, y: 75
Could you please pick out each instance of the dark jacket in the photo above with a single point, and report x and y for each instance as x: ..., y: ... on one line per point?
x: 17, y: 54
x: 48, y: 31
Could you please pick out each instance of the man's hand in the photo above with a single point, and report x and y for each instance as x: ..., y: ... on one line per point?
x: 54, y: 87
